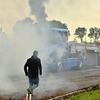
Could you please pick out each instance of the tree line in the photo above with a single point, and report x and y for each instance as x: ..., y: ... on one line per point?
x: 29, y: 24
x: 80, y: 32
x: 94, y: 33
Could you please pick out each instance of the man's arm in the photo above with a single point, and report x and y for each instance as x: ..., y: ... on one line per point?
x: 25, y: 68
x: 40, y: 67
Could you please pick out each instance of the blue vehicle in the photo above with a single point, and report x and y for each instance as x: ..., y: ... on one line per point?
x: 62, y: 54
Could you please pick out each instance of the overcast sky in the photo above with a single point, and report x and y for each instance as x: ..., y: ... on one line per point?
x: 75, y: 13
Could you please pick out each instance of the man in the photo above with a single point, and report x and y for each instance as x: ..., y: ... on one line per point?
x: 34, y: 68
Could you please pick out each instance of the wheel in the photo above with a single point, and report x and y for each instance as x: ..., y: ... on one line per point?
x: 79, y: 63
x: 59, y: 66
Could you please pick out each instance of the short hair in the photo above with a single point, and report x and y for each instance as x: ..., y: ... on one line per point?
x: 35, y: 53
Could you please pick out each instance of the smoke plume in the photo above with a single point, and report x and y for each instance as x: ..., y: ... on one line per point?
x: 15, y: 51
x: 38, y: 9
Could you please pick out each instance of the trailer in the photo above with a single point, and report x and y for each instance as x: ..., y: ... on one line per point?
x: 92, y: 54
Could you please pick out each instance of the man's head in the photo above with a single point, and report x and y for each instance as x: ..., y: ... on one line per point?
x: 35, y: 53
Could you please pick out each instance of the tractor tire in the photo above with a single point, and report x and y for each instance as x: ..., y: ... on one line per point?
x: 79, y: 63
x: 59, y: 66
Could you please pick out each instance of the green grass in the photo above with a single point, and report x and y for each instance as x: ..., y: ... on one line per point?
x: 91, y: 95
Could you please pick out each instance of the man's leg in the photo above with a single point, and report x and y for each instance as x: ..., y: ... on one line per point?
x: 35, y: 83
x: 30, y: 84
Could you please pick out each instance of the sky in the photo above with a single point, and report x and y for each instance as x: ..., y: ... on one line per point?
x: 75, y: 13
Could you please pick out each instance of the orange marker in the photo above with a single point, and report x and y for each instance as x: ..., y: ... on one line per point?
x: 23, y: 98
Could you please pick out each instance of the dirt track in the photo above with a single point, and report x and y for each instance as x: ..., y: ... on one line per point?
x: 50, y: 83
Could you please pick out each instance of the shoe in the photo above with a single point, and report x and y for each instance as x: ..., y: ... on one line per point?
x: 29, y: 90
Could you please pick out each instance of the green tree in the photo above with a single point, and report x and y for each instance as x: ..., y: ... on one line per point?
x: 94, y: 33
x: 91, y: 34
x: 51, y: 24
x: 80, y: 33
x: 58, y: 24
x: 98, y: 33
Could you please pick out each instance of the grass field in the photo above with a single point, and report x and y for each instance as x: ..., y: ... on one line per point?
x: 91, y: 95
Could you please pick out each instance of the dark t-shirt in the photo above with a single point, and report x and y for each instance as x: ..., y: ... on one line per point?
x: 34, y: 67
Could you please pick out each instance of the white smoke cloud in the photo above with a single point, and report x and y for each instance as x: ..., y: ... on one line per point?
x: 15, y: 51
